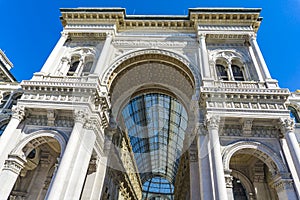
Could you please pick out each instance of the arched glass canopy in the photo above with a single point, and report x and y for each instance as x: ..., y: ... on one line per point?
x: 156, y: 125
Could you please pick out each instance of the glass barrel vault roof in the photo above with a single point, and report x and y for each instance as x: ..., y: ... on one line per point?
x: 156, y: 125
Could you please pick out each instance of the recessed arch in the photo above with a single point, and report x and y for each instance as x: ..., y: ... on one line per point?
x: 168, y: 57
x: 37, y: 138
x: 257, y: 149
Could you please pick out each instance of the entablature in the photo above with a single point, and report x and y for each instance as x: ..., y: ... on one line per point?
x: 244, y: 100
x: 67, y: 92
x: 216, y: 16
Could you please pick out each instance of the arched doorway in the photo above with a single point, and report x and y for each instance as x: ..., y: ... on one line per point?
x: 251, y: 169
x: 151, y: 96
x: 257, y: 171
x: 41, y: 151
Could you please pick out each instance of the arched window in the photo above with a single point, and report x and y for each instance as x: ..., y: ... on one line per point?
x: 221, y: 72
x: 73, y: 68
x: 237, y: 73
x: 294, y: 114
x: 87, y: 68
x: 4, y: 99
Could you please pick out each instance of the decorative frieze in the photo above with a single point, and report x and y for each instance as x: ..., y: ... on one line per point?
x: 248, y: 130
x: 245, y: 99
x: 154, y: 43
x: 224, y: 28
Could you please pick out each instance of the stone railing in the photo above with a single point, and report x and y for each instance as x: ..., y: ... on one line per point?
x: 239, y: 84
x: 39, y: 81
x: 77, y: 79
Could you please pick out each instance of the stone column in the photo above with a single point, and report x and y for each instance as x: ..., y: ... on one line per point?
x: 64, y: 66
x: 79, y: 67
x: 11, y: 170
x: 291, y: 165
x: 104, y: 54
x: 54, y: 54
x: 206, y: 190
x: 259, y: 57
x: 99, y: 178
x: 284, y: 188
x: 287, y: 128
x: 229, y: 72
x: 81, y: 163
x: 203, y: 56
x: 212, y: 124
x: 61, y: 179
x: 10, y: 136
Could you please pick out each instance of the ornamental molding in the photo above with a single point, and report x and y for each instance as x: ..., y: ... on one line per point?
x: 154, y: 43
x: 229, y: 54
x: 81, y: 51
x: 224, y: 28
x: 228, y: 36
x: 254, y: 131
x: 102, y: 27
x: 245, y: 89
x: 43, y: 121
x: 86, y: 34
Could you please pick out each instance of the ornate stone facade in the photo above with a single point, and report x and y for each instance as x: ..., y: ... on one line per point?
x: 150, y: 107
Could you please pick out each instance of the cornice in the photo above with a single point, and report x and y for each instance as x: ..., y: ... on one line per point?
x: 117, y: 16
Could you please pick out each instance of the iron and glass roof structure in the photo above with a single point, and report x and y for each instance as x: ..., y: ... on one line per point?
x: 156, y: 125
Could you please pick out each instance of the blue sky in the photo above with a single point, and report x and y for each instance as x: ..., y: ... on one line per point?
x: 30, y: 30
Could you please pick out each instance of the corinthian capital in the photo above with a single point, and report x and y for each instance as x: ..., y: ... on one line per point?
x: 18, y: 112
x: 80, y: 116
x: 14, y: 163
x: 286, y: 125
x: 212, y: 122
